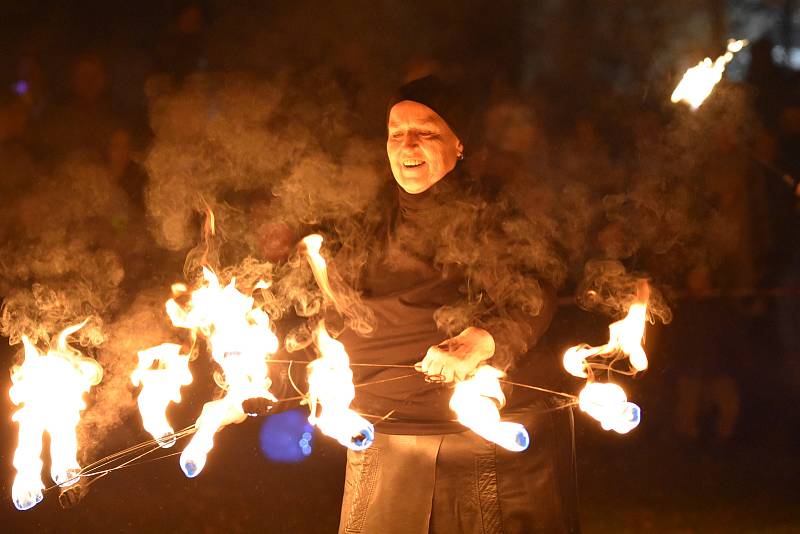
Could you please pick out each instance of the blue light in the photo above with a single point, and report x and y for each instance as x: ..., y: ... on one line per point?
x: 523, y: 439
x: 364, y: 439
x: 190, y: 469
x: 287, y: 436
x: 21, y: 87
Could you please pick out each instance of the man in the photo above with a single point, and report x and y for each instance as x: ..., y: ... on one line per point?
x: 436, y: 297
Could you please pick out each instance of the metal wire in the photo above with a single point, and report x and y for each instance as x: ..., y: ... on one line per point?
x: 97, y: 470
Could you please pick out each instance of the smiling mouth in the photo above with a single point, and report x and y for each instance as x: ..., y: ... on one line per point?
x: 412, y: 163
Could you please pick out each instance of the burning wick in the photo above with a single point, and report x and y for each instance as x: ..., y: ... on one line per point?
x: 162, y: 371
x: 625, y: 336
x: 241, y: 341
x: 330, y: 380
x: 330, y: 392
x: 607, y: 402
x: 313, y: 244
x: 477, y: 402
x: 698, y: 82
x: 50, y: 388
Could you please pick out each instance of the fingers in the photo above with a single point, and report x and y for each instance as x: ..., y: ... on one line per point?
x: 435, y: 367
x: 426, y: 361
x: 435, y: 363
x: 461, y: 373
x: 448, y: 373
x: 450, y: 366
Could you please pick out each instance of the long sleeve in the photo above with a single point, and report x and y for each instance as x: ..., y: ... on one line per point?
x: 515, y: 330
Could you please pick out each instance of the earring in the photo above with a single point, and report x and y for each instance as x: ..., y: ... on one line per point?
x: 460, y: 156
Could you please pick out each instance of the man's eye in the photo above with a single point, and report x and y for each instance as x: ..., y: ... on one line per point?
x: 396, y: 135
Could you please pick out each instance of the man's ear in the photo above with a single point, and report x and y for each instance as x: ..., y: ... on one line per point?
x: 460, y: 149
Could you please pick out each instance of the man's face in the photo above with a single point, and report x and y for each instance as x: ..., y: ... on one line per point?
x: 421, y: 146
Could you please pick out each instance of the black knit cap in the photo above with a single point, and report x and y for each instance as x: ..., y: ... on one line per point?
x: 442, y: 98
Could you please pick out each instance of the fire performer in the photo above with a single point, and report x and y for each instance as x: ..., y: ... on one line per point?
x: 425, y: 472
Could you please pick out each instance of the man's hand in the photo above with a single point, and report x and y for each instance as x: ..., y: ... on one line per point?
x: 457, y: 357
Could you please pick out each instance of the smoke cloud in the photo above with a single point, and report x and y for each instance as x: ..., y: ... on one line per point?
x: 58, y: 264
x: 256, y: 153
x: 141, y: 325
x: 278, y: 143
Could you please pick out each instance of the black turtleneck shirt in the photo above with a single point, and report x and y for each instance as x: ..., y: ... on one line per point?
x: 403, y: 288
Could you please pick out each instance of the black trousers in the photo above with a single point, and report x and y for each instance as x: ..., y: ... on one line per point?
x: 461, y: 483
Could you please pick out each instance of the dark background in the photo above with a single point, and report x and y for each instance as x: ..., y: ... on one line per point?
x: 717, y: 448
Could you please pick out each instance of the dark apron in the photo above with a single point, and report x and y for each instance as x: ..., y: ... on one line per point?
x: 461, y: 483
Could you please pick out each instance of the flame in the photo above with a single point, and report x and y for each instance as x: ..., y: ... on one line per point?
x: 477, y: 402
x: 241, y: 340
x: 625, y: 337
x: 313, y: 244
x: 331, y: 389
x: 698, y: 82
x: 210, y: 224
x: 50, y: 388
x: 330, y: 380
x: 162, y: 371
x: 608, y: 403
